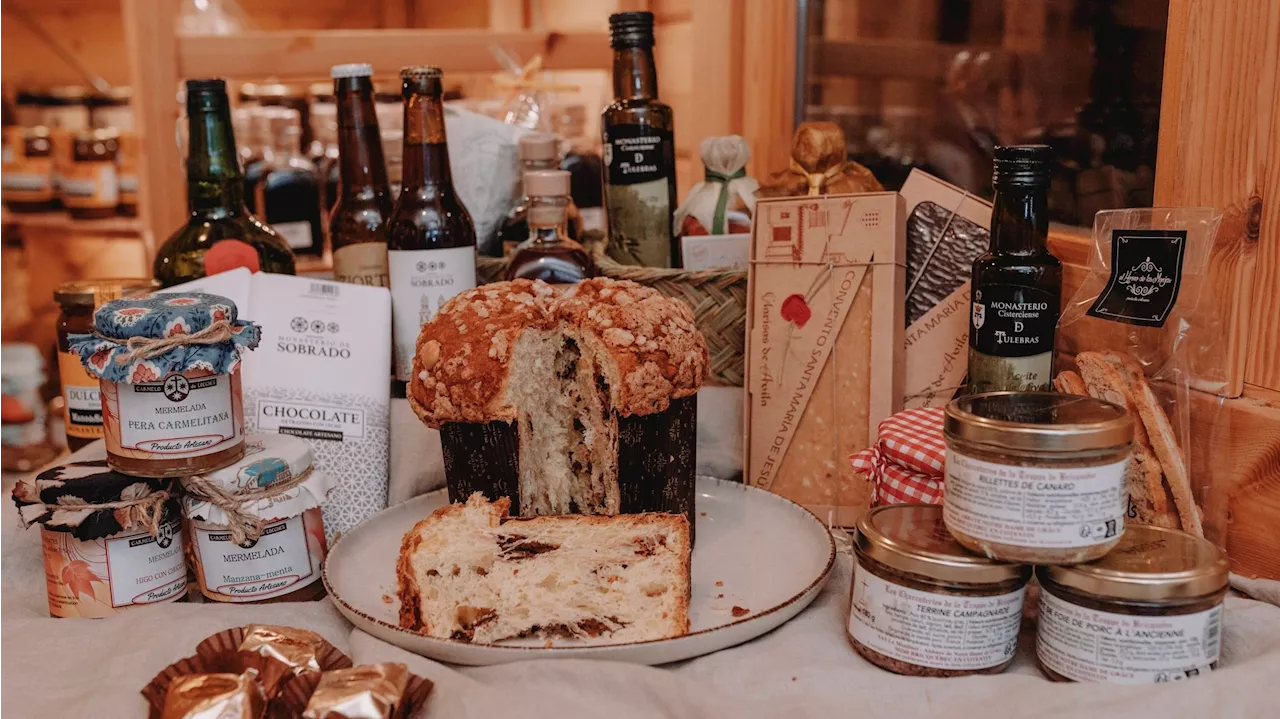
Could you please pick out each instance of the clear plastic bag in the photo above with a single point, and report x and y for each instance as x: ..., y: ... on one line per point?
x: 1135, y: 333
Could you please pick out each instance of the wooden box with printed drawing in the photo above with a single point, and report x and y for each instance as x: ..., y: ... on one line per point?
x: 825, y: 344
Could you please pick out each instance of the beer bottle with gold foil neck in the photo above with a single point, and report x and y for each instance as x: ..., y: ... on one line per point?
x: 639, y: 151
x: 220, y: 234
x: 431, y: 242
x: 358, y: 224
x: 1016, y: 285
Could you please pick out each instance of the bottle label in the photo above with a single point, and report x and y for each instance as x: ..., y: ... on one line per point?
x: 364, y: 263
x: 90, y: 185
x: 941, y: 631
x: 228, y: 255
x: 297, y: 235
x: 285, y: 558
x: 421, y: 281
x: 640, y: 175
x: 1146, y: 275
x: 178, y: 417
x: 81, y: 396
x: 1011, y: 333
x: 1090, y: 645
x: 1058, y: 508
x: 98, y: 577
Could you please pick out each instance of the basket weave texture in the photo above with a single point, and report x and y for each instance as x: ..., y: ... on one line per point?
x: 718, y: 299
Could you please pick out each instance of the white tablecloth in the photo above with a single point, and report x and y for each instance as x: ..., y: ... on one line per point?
x: 95, y: 668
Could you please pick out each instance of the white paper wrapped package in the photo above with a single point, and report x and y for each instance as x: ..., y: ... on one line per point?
x: 484, y: 155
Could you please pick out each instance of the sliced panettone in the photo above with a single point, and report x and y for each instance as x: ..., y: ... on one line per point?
x: 469, y: 573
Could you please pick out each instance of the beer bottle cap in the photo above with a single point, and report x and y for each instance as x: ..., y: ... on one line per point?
x: 355, y: 69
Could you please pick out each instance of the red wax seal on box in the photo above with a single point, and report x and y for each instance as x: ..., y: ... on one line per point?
x: 795, y: 310
x: 230, y: 254
x: 908, y: 461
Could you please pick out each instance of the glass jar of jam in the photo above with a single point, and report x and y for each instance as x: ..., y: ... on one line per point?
x: 169, y: 371
x: 272, y: 549
x: 90, y: 189
x: 125, y: 551
x: 82, y: 401
x: 1150, y: 611
x: 1036, y: 477
x: 29, y: 180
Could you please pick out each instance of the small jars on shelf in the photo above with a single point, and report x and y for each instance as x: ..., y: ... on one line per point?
x: 168, y: 367
x: 90, y: 190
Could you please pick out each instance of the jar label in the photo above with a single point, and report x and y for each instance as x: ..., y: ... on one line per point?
x: 1089, y: 645
x: 297, y: 235
x: 364, y: 263
x: 178, y: 417
x: 421, y: 281
x: 90, y: 185
x: 928, y: 629
x: 82, y: 397
x: 286, y: 558
x: 95, y: 578
x: 1058, y: 508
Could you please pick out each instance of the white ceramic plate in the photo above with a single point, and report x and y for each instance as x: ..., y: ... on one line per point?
x: 755, y: 551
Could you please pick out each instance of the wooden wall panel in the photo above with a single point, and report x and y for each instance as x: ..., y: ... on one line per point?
x: 768, y: 83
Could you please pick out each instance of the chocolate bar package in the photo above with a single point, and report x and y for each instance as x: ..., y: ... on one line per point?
x: 946, y: 232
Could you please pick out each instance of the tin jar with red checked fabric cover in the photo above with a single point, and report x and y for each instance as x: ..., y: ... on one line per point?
x: 1036, y: 477
x: 905, y: 465
x: 168, y: 367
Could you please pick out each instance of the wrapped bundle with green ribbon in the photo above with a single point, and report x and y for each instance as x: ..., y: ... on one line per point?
x: 722, y: 203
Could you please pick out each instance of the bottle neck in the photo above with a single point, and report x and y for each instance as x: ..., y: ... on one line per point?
x: 1020, y: 220
x: 360, y: 162
x: 547, y: 218
x: 635, y: 77
x: 215, y: 184
x: 425, y: 160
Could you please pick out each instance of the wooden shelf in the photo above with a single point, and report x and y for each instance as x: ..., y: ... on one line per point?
x: 63, y: 221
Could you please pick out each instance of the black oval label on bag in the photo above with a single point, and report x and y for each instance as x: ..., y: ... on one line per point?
x: 1146, y: 274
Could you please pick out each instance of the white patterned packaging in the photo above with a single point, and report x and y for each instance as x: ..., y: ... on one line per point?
x: 320, y: 373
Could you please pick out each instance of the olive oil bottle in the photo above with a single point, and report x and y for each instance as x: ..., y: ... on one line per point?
x: 220, y: 234
x: 1016, y: 292
x: 639, y: 151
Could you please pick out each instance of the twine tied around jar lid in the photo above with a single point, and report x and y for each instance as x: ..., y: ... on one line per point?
x: 243, y: 524
x: 147, y: 348
x: 815, y: 180
x: 142, y: 508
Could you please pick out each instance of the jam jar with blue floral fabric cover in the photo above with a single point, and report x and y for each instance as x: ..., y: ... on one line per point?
x: 169, y: 371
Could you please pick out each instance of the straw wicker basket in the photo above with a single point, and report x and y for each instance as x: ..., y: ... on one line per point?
x: 718, y: 299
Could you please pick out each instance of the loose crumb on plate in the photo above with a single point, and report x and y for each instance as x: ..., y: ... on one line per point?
x: 386, y: 599
x: 719, y: 584
x: 738, y: 611
x: 719, y: 596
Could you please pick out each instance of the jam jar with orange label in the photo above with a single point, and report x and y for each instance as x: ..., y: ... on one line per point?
x: 28, y: 178
x: 111, y: 542
x: 81, y: 399
x: 255, y: 531
x: 169, y: 371
x: 90, y: 189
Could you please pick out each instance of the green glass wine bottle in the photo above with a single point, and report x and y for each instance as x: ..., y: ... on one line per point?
x: 220, y: 234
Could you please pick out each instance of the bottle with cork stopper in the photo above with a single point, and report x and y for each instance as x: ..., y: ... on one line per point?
x: 538, y: 151
x: 549, y: 254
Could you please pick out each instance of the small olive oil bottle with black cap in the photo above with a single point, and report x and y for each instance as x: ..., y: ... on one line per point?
x: 1016, y: 289
x: 639, y: 151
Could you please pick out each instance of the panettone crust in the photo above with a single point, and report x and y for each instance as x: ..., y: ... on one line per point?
x: 462, y: 358
x: 462, y: 364
x: 660, y: 353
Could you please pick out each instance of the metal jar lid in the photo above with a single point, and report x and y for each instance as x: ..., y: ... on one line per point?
x: 1149, y: 564
x: 912, y: 538
x: 1038, y: 421
x: 93, y: 293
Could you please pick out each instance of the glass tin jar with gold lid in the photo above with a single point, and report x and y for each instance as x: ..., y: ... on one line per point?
x: 1036, y: 477
x: 169, y: 371
x: 77, y: 301
x: 1151, y: 610
x: 922, y: 605
x: 90, y: 189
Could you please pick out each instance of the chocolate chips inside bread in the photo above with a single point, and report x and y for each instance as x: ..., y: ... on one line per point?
x: 468, y: 573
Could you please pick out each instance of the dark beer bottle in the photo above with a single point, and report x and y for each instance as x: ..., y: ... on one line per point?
x: 639, y: 151
x: 1016, y: 285
x: 431, y: 242
x: 358, y: 225
x: 220, y: 234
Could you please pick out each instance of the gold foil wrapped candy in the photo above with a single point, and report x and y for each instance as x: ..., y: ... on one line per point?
x: 370, y: 691
x: 279, y: 653
x: 215, y: 696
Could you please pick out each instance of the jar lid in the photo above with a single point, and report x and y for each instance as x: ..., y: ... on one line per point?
x: 165, y: 317
x: 1038, y: 421
x: 47, y: 499
x: 103, y: 134
x: 68, y: 94
x: 1149, y: 564
x: 912, y: 538
x: 95, y: 293
x: 268, y: 459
